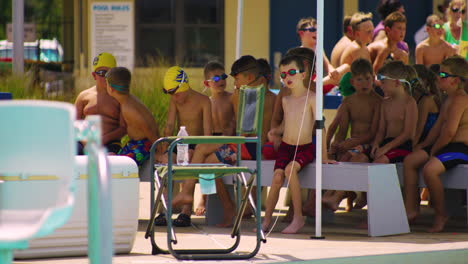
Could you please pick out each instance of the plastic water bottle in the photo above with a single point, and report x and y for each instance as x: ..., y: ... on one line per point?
x: 182, y: 149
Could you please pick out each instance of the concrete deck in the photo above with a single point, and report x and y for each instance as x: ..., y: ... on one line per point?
x: 343, y: 243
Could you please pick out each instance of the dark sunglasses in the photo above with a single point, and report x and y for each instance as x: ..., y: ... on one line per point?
x: 456, y: 10
x: 101, y: 73
x: 310, y: 29
x: 444, y: 75
x: 218, y: 78
x: 436, y: 26
x: 291, y: 72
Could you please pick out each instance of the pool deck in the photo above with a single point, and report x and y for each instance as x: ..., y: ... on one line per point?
x: 343, y: 243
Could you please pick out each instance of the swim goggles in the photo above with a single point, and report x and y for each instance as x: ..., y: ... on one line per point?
x: 101, y: 73
x: 290, y: 72
x: 218, y: 78
x: 444, y: 75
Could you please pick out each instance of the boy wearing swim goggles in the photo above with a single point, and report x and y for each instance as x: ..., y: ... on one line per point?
x: 434, y: 49
x: 142, y: 129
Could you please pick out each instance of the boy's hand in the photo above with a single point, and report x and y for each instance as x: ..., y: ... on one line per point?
x: 334, y: 76
x: 399, y: 54
x: 374, y: 149
x: 325, y: 160
x: 380, y: 152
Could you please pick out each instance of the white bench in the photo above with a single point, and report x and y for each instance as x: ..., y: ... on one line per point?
x: 72, y: 238
x: 456, y: 178
x: 386, y: 212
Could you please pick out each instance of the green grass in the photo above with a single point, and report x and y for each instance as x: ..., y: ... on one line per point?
x: 146, y: 85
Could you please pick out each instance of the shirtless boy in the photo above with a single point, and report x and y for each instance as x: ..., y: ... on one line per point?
x: 388, y: 49
x: 344, y: 42
x: 142, y: 129
x: 222, y: 110
x: 221, y: 106
x: 300, y: 102
x: 398, y: 116
x: 363, y: 29
x: 96, y: 101
x: 306, y: 30
x: 190, y: 109
x: 361, y: 110
x: 451, y: 147
x: 434, y: 49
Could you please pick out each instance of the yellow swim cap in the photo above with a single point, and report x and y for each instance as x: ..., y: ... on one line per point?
x: 104, y: 60
x: 175, y: 80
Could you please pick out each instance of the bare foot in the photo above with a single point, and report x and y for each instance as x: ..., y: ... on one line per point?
x: 412, y: 216
x: 289, y: 215
x: 182, y: 199
x: 349, y: 201
x: 227, y: 219
x: 361, y: 201
x: 439, y: 223
x: 201, y: 207
x: 295, y: 225
x: 330, y: 202
x: 265, y: 225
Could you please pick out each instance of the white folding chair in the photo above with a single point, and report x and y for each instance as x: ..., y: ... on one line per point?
x: 38, y: 147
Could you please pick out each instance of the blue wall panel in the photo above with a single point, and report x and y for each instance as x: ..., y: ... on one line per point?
x: 284, y: 16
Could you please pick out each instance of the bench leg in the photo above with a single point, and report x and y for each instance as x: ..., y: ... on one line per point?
x: 386, y: 213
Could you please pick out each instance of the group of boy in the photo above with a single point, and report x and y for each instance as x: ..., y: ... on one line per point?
x: 382, y: 128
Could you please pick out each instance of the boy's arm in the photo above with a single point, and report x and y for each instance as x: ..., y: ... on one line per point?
x: 343, y: 123
x: 382, y: 54
x: 419, y: 54
x: 207, y: 118
x: 381, y: 128
x: 171, y: 119
x: 277, y: 117
x: 333, y: 126
x: 79, y: 105
x: 449, y: 130
x: 411, y: 114
x: 423, y: 111
x: 118, y: 133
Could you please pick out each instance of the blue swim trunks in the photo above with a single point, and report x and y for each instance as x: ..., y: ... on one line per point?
x: 453, y: 154
x: 138, y: 150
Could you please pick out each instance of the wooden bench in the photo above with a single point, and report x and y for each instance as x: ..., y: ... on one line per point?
x: 386, y: 212
x: 456, y: 178
x: 72, y: 238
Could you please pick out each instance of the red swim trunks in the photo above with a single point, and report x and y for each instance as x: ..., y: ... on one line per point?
x: 305, y: 155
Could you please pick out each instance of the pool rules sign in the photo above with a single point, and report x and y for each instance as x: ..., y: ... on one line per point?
x: 112, y: 30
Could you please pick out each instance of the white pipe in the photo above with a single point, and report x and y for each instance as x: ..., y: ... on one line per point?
x: 240, y: 15
x: 319, y: 118
x: 18, y: 36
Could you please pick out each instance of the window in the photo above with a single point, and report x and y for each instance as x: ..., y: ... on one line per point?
x: 186, y: 32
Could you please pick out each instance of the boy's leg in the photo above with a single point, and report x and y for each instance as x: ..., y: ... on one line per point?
x: 411, y: 164
x: 226, y: 201
x: 432, y: 171
x: 185, y: 197
x: 298, y: 220
x: 272, y: 199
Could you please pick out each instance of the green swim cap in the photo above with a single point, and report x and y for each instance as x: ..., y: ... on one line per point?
x: 345, y: 87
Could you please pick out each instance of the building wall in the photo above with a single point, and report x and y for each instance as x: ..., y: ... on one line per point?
x: 255, y: 30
